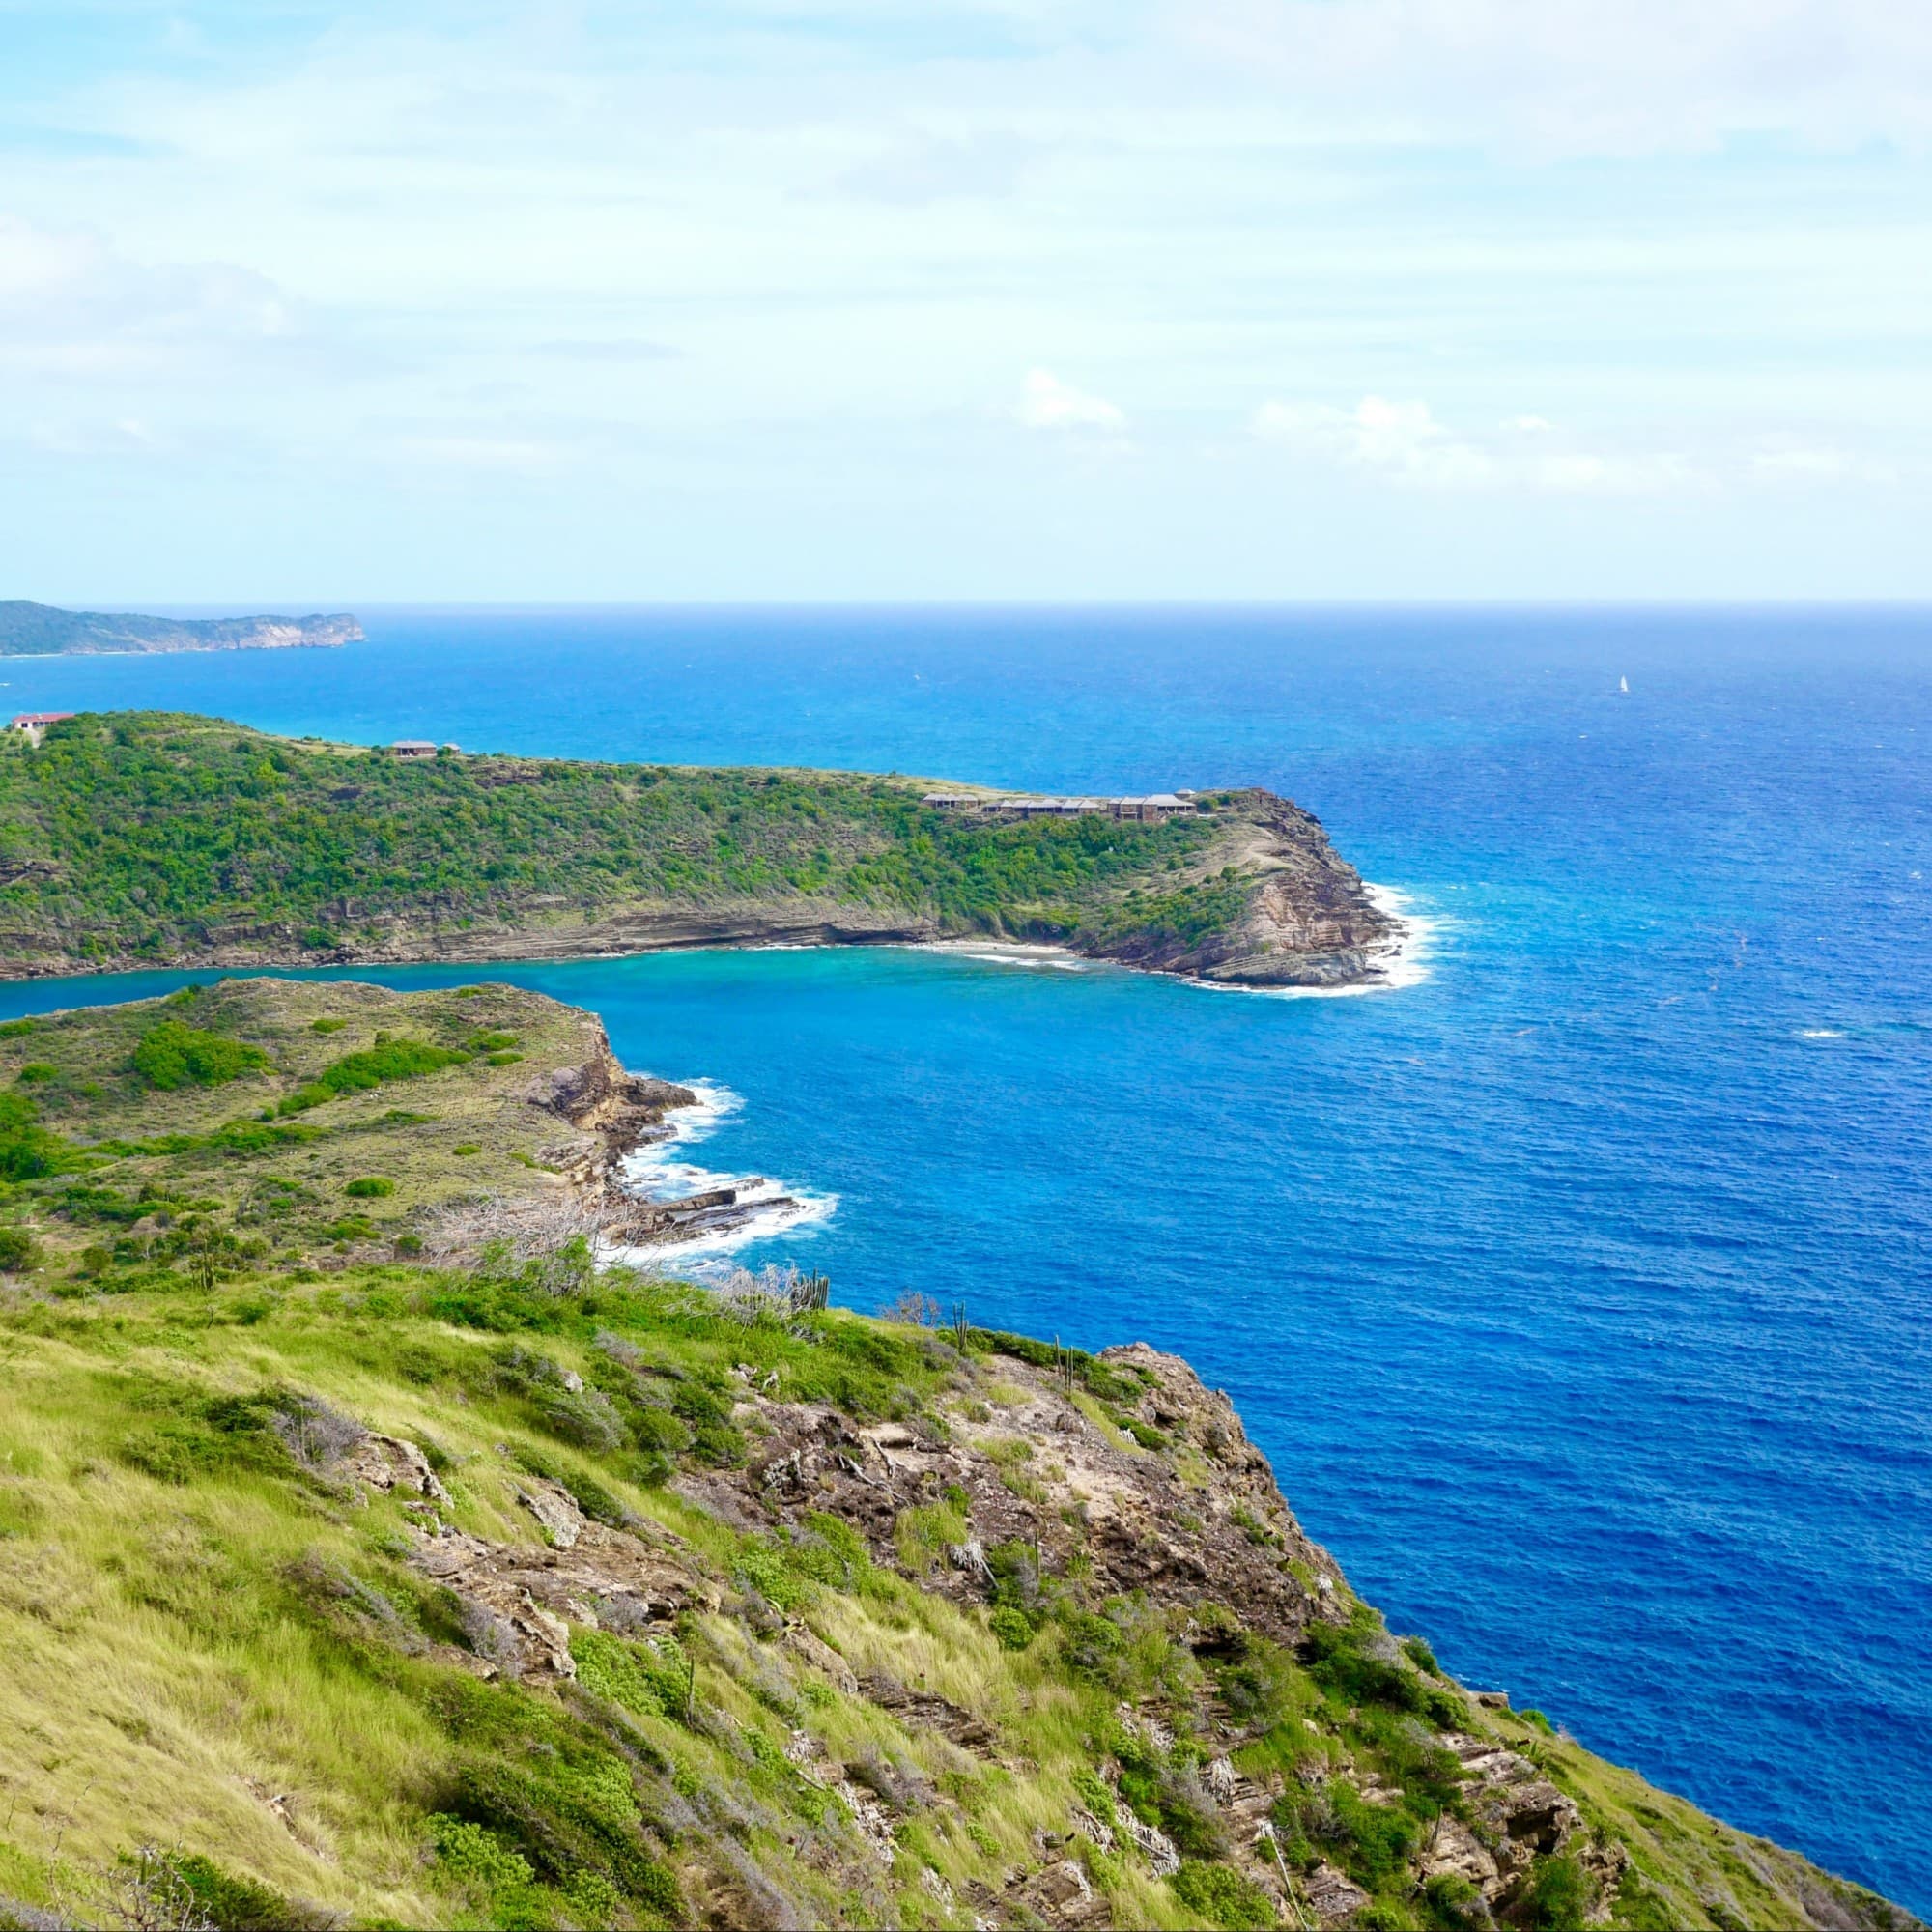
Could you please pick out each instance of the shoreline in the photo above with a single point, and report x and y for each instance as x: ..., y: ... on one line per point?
x: 757, y: 1206
x: 1403, y: 962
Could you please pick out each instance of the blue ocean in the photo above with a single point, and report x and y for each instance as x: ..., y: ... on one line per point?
x: 1577, y: 1290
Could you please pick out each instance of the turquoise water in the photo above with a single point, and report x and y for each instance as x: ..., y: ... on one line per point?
x: 1579, y: 1293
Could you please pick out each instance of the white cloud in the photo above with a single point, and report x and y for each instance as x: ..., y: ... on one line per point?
x: 1590, y: 77
x: 917, y: 171
x: 1404, y: 443
x: 1786, y: 459
x: 1048, y: 403
x: 1400, y: 441
x: 70, y: 305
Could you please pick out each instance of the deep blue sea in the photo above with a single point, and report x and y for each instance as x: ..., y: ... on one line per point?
x: 1579, y: 1293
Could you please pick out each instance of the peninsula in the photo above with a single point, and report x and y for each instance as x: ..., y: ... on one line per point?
x: 148, y: 838
x: 370, y: 1556
x: 44, y: 630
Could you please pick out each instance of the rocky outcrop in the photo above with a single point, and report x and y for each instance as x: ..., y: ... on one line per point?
x: 1306, y: 918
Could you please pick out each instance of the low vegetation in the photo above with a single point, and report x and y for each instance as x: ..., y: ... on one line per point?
x: 299, y: 1123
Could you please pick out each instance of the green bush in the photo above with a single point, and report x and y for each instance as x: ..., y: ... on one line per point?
x: 1451, y: 1901
x: 1012, y: 1627
x: 29, y: 1152
x: 232, y: 1904
x: 1559, y: 1895
x: 468, y: 1855
x: 647, y: 1682
x: 19, y: 1251
x: 357, y: 1072
x: 1222, y: 1896
x: 175, y: 1054
x: 370, y: 1187
x: 584, y: 1419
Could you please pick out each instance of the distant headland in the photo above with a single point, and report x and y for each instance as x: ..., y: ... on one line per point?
x: 153, y: 839
x: 44, y: 630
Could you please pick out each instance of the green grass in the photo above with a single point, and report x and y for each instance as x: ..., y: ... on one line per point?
x: 195, y: 1618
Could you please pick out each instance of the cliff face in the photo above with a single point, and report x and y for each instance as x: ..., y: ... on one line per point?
x: 1299, y: 914
x: 43, y: 630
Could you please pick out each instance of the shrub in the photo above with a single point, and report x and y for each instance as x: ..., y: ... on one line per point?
x: 583, y: 1418
x: 1222, y: 1896
x: 328, y: 1026
x: 19, y: 1251
x: 232, y: 1904
x: 1559, y: 1895
x: 1012, y: 1625
x: 370, y: 1187
x: 357, y: 1072
x: 17, y: 1029
x: 27, y: 1151
x: 1449, y: 1896
x: 466, y: 1147
x: 468, y: 1855
x: 175, y: 1054
x: 638, y: 1677
x: 1363, y: 1664
x: 37, y: 1072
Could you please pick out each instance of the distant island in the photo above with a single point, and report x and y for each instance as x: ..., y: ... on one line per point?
x: 44, y: 630
x: 151, y: 838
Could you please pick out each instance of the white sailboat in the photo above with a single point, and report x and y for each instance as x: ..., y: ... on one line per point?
x: 1623, y: 687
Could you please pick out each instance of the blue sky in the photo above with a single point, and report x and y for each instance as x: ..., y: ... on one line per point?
x: 1236, y: 299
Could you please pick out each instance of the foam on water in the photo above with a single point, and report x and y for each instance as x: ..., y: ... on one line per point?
x: 657, y: 1173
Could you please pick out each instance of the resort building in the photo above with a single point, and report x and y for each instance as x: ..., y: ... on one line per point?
x: 412, y: 748
x: 1147, y: 807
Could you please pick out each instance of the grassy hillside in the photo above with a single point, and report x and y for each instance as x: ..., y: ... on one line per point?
x: 512, y: 1594
x: 299, y: 1121
x: 134, y: 838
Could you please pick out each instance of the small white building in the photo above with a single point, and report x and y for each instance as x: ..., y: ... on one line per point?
x: 32, y: 725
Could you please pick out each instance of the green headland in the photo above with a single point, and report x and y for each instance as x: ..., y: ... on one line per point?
x: 140, y: 838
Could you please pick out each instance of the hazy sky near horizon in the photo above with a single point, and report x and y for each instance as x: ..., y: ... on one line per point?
x: 835, y: 298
